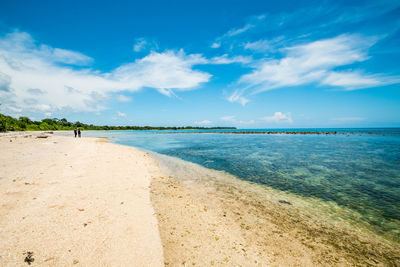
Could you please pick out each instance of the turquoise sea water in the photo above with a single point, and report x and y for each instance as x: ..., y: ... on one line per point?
x: 359, y: 171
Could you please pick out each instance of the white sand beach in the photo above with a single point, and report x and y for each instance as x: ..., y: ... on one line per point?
x: 81, y: 202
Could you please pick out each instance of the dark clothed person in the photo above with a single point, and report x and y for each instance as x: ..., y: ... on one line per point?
x: 79, y: 133
x: 75, y: 132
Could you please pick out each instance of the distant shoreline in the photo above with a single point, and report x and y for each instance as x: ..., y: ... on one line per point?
x: 8, y: 123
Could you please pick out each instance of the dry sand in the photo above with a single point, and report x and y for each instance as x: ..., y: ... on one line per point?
x: 85, y: 202
x: 75, y: 202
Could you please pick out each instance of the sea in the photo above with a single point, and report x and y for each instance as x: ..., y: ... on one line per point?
x: 355, y: 171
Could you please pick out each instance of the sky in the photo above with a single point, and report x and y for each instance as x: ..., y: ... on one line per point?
x: 248, y: 64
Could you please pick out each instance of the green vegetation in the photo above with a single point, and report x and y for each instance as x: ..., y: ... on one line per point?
x: 8, y: 123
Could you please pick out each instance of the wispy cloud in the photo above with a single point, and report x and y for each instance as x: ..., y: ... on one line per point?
x: 225, y: 59
x: 204, y: 122
x: 259, y: 46
x: 235, y: 32
x: 20, y: 45
x: 121, y: 114
x: 309, y: 22
x: 139, y: 45
x: 216, y: 45
x: 264, y: 45
x: 314, y: 62
x: 302, y: 54
x: 35, y: 77
x: 5, y: 81
x: 355, y: 80
x: 309, y: 62
x: 123, y: 98
x: 237, y: 96
x: 279, y: 117
x: 143, y: 44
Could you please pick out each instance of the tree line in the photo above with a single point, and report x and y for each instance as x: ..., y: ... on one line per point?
x: 8, y: 123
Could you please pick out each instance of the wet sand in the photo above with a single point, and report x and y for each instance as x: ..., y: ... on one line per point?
x: 210, y: 218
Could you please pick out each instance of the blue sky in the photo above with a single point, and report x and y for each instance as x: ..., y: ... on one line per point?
x: 249, y: 64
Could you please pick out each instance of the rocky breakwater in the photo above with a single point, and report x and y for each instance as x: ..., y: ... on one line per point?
x: 275, y: 132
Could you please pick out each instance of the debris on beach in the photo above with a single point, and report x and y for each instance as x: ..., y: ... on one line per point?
x: 29, y: 257
x: 285, y: 202
x: 42, y: 136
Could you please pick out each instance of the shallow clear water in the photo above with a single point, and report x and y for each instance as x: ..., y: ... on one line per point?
x: 358, y: 171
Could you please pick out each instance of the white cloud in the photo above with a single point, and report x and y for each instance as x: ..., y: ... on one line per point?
x: 234, y: 32
x: 32, y: 78
x: 47, y: 114
x: 215, y: 45
x: 42, y: 107
x: 121, y: 114
x: 66, y: 56
x: 356, y: 80
x: 308, y: 63
x: 237, y: 96
x: 139, y: 45
x: 5, y: 82
x: 123, y: 98
x: 142, y: 44
x: 15, y: 110
x: 21, y: 45
x: 264, y: 45
x: 237, y: 32
x: 346, y: 119
x: 225, y: 59
x: 205, y: 122
x: 165, y: 72
x: 279, y: 117
x: 314, y: 63
x: 260, y: 46
x: 228, y: 118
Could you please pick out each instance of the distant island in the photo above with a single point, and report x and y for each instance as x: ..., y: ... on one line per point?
x: 8, y: 123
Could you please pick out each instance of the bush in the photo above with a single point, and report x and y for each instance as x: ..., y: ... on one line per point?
x: 3, y: 125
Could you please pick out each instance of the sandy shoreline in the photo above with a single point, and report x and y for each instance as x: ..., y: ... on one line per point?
x: 236, y: 223
x: 87, y: 202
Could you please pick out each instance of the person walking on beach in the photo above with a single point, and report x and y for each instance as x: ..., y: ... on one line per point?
x: 75, y: 132
x: 79, y: 132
